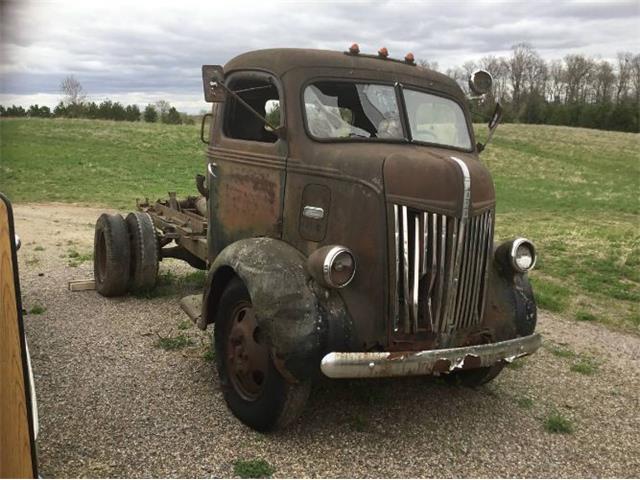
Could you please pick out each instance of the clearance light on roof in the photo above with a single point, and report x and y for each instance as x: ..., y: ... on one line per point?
x: 383, y: 52
x: 409, y: 58
x: 354, y: 49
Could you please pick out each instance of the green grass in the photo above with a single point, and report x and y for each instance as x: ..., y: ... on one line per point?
x: 97, y: 162
x: 253, y: 469
x: 559, y: 350
x: 76, y: 258
x: 525, y: 402
x: 169, y: 284
x: 37, y: 310
x: 558, y: 423
x: 173, y: 343
x: 585, y: 366
x: 572, y: 191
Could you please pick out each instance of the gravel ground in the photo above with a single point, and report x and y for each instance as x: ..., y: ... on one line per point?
x: 112, y: 404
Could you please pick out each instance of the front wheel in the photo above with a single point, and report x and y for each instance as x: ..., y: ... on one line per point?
x: 253, y: 388
x: 474, y: 377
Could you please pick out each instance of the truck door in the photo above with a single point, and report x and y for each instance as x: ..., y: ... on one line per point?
x: 246, y: 163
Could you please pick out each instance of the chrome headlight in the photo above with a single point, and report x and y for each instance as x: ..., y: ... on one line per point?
x: 333, y: 266
x: 523, y: 255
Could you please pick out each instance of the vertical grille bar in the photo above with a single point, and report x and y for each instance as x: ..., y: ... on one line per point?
x: 464, y: 274
x: 415, y: 284
x: 442, y: 251
x: 405, y: 270
x: 489, y: 251
x: 396, y: 293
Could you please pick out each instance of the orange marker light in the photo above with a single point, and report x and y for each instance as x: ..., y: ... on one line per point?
x: 383, y: 52
x: 409, y: 58
x: 354, y: 49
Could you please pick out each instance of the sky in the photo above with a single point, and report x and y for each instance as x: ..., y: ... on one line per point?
x: 143, y: 51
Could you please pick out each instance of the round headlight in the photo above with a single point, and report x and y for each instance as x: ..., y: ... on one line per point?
x: 339, y: 267
x: 480, y: 82
x: 523, y: 255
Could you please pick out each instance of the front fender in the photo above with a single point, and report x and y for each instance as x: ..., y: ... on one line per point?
x: 286, y: 305
x: 510, y: 308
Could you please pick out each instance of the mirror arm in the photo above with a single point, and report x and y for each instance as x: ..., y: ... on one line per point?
x: 279, y: 131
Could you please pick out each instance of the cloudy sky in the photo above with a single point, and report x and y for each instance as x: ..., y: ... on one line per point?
x: 143, y: 51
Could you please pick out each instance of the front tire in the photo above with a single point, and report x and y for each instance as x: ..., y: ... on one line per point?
x: 474, y: 377
x: 254, y: 390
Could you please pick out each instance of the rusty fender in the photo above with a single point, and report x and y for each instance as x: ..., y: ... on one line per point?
x: 511, y: 309
x: 427, y: 362
x: 291, y: 310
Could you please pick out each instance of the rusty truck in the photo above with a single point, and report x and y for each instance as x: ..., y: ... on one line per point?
x: 346, y: 223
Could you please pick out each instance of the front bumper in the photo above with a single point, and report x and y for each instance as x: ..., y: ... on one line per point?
x: 426, y: 362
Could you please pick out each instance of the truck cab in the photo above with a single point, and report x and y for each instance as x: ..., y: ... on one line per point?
x: 349, y: 230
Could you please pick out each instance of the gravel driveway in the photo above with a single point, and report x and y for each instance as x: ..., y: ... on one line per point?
x: 112, y: 403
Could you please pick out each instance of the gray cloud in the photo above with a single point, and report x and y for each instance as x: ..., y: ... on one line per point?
x: 138, y: 50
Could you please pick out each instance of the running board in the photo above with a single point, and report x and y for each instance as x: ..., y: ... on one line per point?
x: 192, y: 306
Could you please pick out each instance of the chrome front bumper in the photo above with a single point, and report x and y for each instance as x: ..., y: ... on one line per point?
x: 426, y: 362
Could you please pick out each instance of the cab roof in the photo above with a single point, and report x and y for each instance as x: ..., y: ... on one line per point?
x: 279, y: 61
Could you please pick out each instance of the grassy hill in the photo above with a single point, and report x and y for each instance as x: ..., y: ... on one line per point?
x: 574, y: 192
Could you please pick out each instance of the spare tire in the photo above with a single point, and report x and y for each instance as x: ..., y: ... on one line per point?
x: 111, y: 255
x: 144, y: 251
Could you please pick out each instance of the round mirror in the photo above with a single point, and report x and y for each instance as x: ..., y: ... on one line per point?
x: 480, y: 82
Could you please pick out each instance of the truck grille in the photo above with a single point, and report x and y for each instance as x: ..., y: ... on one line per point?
x: 441, y: 265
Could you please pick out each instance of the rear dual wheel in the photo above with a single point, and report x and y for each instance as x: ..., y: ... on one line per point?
x: 126, y: 254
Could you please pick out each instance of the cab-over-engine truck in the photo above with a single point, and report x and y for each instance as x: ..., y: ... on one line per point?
x: 346, y: 223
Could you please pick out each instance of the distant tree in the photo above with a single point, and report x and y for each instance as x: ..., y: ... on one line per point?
x: 428, y: 65
x: 3, y: 111
x: 34, y: 111
x: 92, y: 110
x: 14, y: 111
x: 104, y: 110
x: 173, y: 117
x: 624, y: 75
x: 150, y: 114
x: 60, y: 110
x: 118, y: 112
x: 162, y: 106
x: 74, y: 96
x: 132, y: 113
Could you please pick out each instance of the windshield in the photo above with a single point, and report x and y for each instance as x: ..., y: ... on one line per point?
x: 347, y: 110
x: 436, y: 119
x: 352, y: 110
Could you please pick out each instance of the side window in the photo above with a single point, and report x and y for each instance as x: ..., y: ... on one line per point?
x: 243, y: 124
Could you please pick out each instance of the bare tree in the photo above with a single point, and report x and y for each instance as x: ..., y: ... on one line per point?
x: 519, y: 62
x: 635, y: 78
x: 624, y: 74
x: 556, y: 81
x: 604, y: 81
x: 72, y: 90
x: 578, y: 68
x: 428, y: 65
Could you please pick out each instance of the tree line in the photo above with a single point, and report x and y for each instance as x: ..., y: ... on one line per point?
x: 578, y: 90
x: 75, y: 105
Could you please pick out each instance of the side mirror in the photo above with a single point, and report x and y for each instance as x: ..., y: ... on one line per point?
x: 480, y: 82
x: 212, y: 78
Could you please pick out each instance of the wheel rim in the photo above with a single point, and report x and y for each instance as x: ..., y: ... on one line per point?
x: 247, y: 356
x: 101, y: 257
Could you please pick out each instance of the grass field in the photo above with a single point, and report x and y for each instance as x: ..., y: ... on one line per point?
x: 574, y: 192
